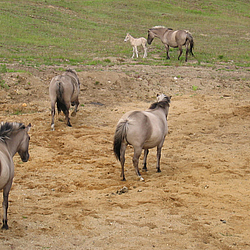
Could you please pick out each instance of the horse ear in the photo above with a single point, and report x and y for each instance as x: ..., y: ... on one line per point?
x: 28, y: 127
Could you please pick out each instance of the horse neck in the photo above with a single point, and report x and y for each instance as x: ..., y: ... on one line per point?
x: 13, y: 143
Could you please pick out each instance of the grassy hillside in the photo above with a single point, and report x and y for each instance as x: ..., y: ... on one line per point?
x: 88, y: 32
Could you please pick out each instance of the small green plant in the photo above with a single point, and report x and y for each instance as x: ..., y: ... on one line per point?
x: 3, y: 68
x: 3, y: 84
x: 194, y: 88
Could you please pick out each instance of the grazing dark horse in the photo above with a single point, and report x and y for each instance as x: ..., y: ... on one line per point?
x: 13, y: 138
x: 175, y: 39
x: 64, y: 90
x: 143, y: 130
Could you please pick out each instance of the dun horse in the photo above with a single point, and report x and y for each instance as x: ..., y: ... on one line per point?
x: 13, y: 138
x: 175, y: 39
x: 143, y: 130
x: 64, y: 90
x: 137, y: 42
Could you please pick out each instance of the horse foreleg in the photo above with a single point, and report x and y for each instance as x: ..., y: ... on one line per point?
x: 122, y: 159
x: 180, y: 48
x: 158, y: 159
x: 133, y: 52
x: 145, y: 160
x: 167, y: 50
x: 137, y: 153
x: 145, y: 50
x: 6, y: 191
x: 136, y: 51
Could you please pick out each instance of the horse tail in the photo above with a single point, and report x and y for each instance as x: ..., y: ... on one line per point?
x: 191, y: 41
x: 61, y: 106
x: 120, y: 136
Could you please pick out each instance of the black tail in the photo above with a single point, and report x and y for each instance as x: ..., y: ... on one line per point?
x: 191, y: 41
x: 120, y: 136
x: 61, y: 106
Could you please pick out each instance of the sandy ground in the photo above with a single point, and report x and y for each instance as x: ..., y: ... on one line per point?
x: 69, y: 195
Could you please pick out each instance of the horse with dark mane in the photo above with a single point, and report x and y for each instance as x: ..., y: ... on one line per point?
x: 172, y: 38
x: 13, y: 138
x: 64, y: 90
x: 143, y: 130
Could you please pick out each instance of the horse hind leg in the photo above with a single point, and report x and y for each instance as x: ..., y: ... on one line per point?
x: 145, y: 160
x: 180, y: 48
x: 122, y: 160
x: 76, y: 104
x: 53, y: 116
x: 137, y: 153
x: 158, y: 159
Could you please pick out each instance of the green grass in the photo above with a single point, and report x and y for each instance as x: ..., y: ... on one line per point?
x: 54, y: 32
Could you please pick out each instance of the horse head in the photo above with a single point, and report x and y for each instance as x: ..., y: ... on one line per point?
x: 23, y: 149
x: 151, y: 36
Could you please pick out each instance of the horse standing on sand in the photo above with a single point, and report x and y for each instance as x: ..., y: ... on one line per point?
x: 137, y: 42
x: 64, y: 90
x: 175, y: 39
x: 143, y: 130
x: 13, y: 138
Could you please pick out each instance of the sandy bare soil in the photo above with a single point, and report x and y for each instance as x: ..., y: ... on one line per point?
x: 70, y: 194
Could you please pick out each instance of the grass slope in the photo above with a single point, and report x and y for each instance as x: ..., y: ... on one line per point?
x: 76, y: 32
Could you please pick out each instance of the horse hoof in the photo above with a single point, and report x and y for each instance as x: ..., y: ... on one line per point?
x: 158, y: 170
x: 141, y: 179
x: 5, y: 226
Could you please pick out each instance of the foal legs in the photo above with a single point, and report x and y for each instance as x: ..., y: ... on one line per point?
x: 135, y: 51
x: 145, y: 50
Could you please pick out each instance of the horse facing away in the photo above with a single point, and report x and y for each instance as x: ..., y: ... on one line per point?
x: 143, y: 130
x: 13, y: 138
x: 64, y: 90
x: 175, y: 39
x: 137, y: 42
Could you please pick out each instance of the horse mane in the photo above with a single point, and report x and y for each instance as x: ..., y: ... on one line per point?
x: 71, y: 71
x: 161, y: 104
x: 158, y: 27
x: 7, y: 128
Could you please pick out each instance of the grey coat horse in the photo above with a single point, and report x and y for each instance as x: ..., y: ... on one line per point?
x: 172, y: 38
x: 143, y: 130
x: 13, y: 138
x: 64, y: 90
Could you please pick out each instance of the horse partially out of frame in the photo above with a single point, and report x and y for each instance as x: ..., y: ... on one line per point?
x: 13, y: 138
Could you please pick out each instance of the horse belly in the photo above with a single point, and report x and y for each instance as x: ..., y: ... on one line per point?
x: 5, y: 174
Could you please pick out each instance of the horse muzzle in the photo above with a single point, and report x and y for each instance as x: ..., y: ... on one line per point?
x: 25, y: 157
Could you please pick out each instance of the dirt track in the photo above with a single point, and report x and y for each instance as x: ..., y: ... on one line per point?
x: 68, y: 196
